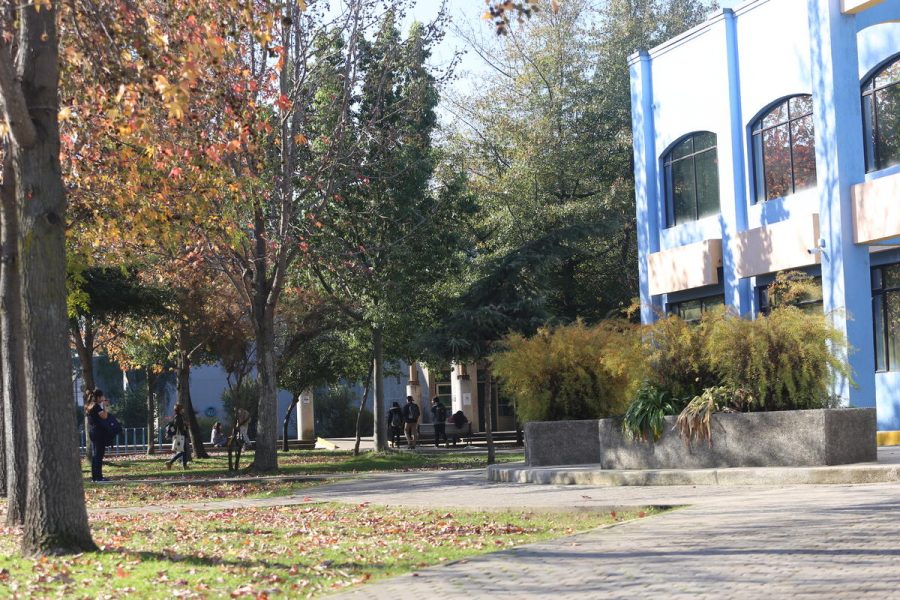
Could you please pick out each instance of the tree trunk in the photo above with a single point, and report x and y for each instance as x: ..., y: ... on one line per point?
x: 489, y: 415
x: 266, y: 457
x: 55, y: 514
x: 151, y: 411
x: 184, y: 399
x: 378, y: 383
x: 84, y: 347
x: 11, y: 355
x: 362, y: 407
x: 287, y: 420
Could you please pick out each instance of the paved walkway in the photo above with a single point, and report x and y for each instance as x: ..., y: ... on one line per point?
x: 730, y: 542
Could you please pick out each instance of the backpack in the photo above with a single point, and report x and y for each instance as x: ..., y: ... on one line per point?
x: 170, y: 430
x: 396, y: 419
x: 412, y: 411
x: 113, y: 429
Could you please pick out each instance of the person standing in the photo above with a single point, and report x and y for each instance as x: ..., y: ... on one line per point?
x: 179, y: 439
x: 411, y: 420
x: 96, y: 413
x: 439, y: 418
x: 395, y: 423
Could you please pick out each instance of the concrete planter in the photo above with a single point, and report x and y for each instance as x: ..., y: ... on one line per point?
x: 766, y: 439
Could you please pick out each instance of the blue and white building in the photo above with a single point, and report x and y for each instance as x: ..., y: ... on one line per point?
x: 768, y: 139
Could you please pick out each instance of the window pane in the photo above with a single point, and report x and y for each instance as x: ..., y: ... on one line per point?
x: 801, y: 105
x: 887, y: 112
x: 691, y: 310
x: 890, y: 276
x: 892, y: 303
x: 713, y: 302
x: 683, y: 193
x: 890, y: 74
x: 878, y: 318
x: 683, y: 149
x: 804, y: 153
x: 758, y: 169
x: 704, y: 140
x: 776, y: 115
x: 707, y: 166
x: 777, y: 161
x: 869, y: 132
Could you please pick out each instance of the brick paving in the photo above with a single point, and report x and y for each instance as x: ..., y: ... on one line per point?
x: 753, y: 542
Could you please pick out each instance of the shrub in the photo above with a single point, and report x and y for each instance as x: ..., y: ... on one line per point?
x: 246, y: 396
x: 787, y: 360
x: 336, y: 411
x: 674, y: 350
x: 647, y: 412
x: 572, y: 371
x: 696, y: 418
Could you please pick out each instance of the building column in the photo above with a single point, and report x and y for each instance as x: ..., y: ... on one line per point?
x: 645, y: 177
x: 846, y: 279
x: 413, y: 388
x: 463, y: 397
x: 306, y: 417
x: 732, y: 174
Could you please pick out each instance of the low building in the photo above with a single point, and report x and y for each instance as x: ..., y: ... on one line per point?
x: 768, y: 139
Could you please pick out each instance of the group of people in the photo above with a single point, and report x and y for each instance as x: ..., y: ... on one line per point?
x: 96, y: 410
x: 405, y: 421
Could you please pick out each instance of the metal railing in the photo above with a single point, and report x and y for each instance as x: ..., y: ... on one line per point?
x: 133, y: 440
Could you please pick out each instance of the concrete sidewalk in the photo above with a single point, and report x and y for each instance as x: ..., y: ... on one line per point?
x: 885, y: 470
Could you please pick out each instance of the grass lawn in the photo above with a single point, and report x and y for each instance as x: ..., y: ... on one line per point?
x: 297, y: 462
x: 129, y: 470
x: 298, y: 551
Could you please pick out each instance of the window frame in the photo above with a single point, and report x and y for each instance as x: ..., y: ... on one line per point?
x: 880, y: 291
x: 667, y: 167
x: 868, y: 92
x: 706, y: 303
x: 757, y: 147
x: 765, y: 304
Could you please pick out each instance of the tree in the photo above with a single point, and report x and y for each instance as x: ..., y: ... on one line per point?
x: 509, y: 296
x: 546, y: 142
x: 394, y: 233
x: 55, y: 514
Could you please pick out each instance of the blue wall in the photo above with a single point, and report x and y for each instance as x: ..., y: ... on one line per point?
x: 719, y: 77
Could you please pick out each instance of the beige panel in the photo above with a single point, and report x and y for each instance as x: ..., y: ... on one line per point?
x: 778, y: 246
x: 876, y: 215
x: 855, y: 6
x: 685, y: 267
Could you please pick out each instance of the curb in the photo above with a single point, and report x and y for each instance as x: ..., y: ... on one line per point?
x: 595, y: 476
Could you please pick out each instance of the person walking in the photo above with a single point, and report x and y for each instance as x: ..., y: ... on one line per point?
x: 439, y: 419
x: 395, y: 424
x: 411, y: 420
x: 179, y: 439
x: 95, y: 409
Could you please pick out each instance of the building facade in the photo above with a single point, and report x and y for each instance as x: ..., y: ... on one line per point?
x: 768, y: 139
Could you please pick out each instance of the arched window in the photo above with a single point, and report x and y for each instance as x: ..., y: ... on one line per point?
x: 692, y: 179
x: 784, y: 149
x: 881, y: 116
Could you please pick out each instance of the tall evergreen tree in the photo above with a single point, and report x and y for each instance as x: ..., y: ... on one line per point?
x: 393, y: 234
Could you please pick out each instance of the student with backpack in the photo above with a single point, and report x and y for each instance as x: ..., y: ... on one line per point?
x: 439, y: 418
x: 395, y: 424
x: 411, y: 420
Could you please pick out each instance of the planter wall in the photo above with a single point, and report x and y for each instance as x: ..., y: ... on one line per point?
x: 765, y: 439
